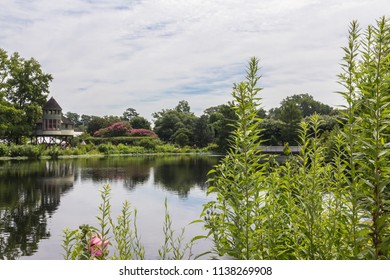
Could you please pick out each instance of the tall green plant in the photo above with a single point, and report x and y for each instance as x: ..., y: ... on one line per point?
x: 174, y: 247
x: 374, y: 84
x: 366, y: 80
x: 311, y: 182
x: 120, y: 240
x: 237, y: 181
x: 350, y: 135
x: 328, y: 208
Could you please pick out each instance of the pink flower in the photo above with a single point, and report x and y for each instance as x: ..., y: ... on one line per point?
x: 97, y: 245
x: 142, y: 132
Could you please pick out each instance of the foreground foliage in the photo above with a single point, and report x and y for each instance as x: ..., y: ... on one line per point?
x: 120, y: 240
x: 311, y: 207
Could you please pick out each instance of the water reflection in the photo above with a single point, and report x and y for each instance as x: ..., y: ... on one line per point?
x: 180, y: 175
x: 131, y: 170
x: 176, y: 174
x: 31, y: 192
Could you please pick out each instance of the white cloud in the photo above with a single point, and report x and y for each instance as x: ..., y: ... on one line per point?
x: 106, y: 55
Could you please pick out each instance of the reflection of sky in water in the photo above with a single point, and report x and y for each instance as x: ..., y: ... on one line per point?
x: 80, y: 206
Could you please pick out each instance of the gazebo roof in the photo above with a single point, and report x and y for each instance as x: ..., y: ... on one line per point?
x: 52, y: 104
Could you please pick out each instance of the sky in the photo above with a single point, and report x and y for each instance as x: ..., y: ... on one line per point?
x: 108, y: 55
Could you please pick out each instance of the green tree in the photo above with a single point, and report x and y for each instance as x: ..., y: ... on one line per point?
x: 309, y: 106
x: 135, y: 120
x: 85, y: 119
x: 166, y: 124
x: 74, y: 118
x: 140, y: 122
x: 181, y: 137
x: 272, y: 132
x: 112, y: 119
x: 291, y: 116
x: 261, y: 113
x: 129, y: 114
x: 23, y: 86
x: 220, y: 119
x: 96, y: 123
x: 293, y: 109
x: 203, y: 133
x: 26, y: 83
x: 183, y: 107
x: 173, y: 124
x: 9, y: 115
x: 3, y: 71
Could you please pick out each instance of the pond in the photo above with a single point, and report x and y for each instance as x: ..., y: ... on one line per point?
x: 39, y: 199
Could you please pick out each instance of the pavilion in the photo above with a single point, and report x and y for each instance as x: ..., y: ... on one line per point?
x: 54, y: 128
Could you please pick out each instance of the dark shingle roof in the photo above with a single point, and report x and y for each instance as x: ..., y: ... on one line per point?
x: 52, y: 105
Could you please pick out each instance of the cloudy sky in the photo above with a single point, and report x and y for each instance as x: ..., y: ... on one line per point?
x: 108, y: 55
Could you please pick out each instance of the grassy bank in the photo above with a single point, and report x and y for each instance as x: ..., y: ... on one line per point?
x: 23, y: 152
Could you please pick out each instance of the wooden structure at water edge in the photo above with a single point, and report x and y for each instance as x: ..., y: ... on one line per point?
x: 54, y: 128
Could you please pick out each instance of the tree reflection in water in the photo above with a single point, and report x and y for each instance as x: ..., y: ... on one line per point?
x: 30, y: 191
x: 179, y: 175
x: 176, y: 174
x: 29, y: 194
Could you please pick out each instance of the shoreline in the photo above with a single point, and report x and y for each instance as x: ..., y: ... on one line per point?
x: 20, y: 158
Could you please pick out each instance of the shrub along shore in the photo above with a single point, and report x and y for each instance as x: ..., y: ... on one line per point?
x: 144, y: 147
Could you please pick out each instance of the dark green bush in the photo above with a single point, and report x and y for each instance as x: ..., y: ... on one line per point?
x: 107, y: 149
x: 4, y: 150
x: 149, y: 144
x: 213, y: 148
x: 54, y: 152
x: 166, y: 148
x: 123, y: 149
x: 30, y: 151
x: 136, y: 150
x: 16, y: 151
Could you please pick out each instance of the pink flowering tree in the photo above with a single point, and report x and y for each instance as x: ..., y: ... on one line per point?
x: 114, y: 130
x: 142, y: 132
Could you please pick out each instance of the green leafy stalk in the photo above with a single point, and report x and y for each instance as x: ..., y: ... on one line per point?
x: 374, y: 83
x: 174, y: 247
x: 349, y: 79
x: 233, y: 219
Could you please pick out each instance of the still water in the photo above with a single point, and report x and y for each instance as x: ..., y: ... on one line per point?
x: 39, y: 199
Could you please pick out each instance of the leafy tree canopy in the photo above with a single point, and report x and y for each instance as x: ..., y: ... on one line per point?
x: 176, y: 125
x: 291, y: 112
x: 129, y: 114
x: 140, y: 122
x: 23, y: 92
x: 220, y: 119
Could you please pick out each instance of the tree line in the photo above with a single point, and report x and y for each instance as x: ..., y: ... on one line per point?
x: 24, y: 88
x: 182, y: 127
